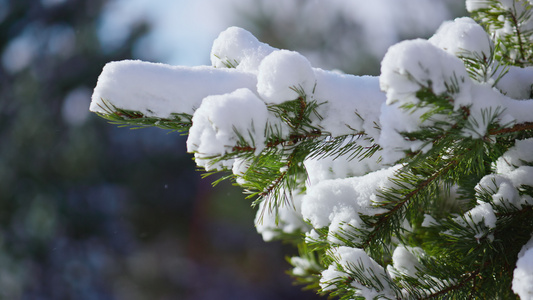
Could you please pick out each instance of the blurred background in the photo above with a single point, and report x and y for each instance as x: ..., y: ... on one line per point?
x: 92, y: 211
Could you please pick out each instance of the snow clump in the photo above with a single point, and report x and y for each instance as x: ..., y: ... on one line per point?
x: 523, y: 273
x: 350, y: 259
x: 463, y: 37
x: 236, y: 47
x: 282, y: 74
x: 221, y: 121
x: 159, y: 90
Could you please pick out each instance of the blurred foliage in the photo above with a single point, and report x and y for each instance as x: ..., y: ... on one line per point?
x: 331, y: 36
x: 92, y: 211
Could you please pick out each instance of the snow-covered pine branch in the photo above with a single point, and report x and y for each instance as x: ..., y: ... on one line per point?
x: 414, y: 184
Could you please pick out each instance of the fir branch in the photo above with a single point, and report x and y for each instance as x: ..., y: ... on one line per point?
x: 516, y: 128
x: 494, y: 19
x: 484, y: 67
x: 518, y: 31
x: 470, y: 277
x: 399, y: 201
x: 135, y: 119
x: 290, y: 141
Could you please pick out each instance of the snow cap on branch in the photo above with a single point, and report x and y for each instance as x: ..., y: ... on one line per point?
x: 280, y: 73
x: 523, y: 273
x: 351, y: 103
x: 287, y: 218
x: 415, y: 64
x: 222, y: 121
x: 463, y: 37
x: 518, y: 155
x: 405, y: 262
x: 407, y: 68
x: 238, y: 48
x: 159, y: 90
x: 337, y: 202
x: 517, y: 83
x: 347, y: 260
x: 331, y: 167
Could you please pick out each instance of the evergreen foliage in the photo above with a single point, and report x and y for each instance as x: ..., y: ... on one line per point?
x: 445, y: 209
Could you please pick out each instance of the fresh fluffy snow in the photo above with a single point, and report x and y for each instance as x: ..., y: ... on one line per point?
x: 283, y: 72
x: 159, y: 90
x: 504, y: 188
x: 350, y: 259
x: 483, y: 212
x: 408, y: 67
x: 463, y: 37
x: 517, y: 83
x: 411, y: 65
x: 350, y: 103
x: 219, y: 120
x: 321, y: 169
x: 240, y: 49
x: 287, y: 218
x: 338, y: 202
x: 405, y: 261
x: 302, y: 265
x: 523, y: 273
x: 516, y: 156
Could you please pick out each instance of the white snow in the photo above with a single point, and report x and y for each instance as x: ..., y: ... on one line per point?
x: 321, y: 169
x: 481, y: 218
x: 505, y: 187
x: 463, y: 37
x: 482, y: 212
x: 240, y: 166
x: 283, y: 72
x: 286, y: 218
x: 350, y: 259
x: 405, y: 262
x: 410, y: 65
x: 428, y: 221
x: 337, y: 201
x: 393, y: 120
x: 239, y: 48
x: 156, y: 89
x: 220, y: 119
x: 350, y: 103
x: 515, y: 156
x: 523, y: 273
x: 488, y: 101
x: 517, y: 83
x: 473, y: 5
